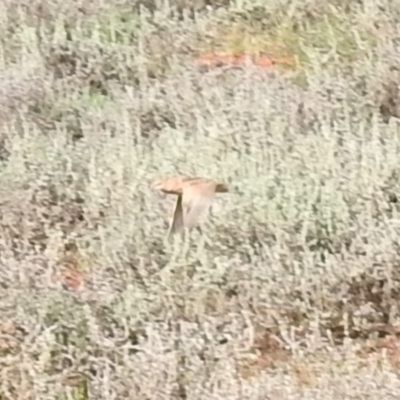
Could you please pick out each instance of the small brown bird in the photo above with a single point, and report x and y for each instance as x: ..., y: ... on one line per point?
x: 195, y: 196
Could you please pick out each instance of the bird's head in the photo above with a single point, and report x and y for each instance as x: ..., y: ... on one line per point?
x: 222, y: 188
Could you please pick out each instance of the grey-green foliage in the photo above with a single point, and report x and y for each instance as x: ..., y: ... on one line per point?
x: 95, y: 105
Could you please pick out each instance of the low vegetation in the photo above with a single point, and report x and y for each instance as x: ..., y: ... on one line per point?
x: 292, y: 288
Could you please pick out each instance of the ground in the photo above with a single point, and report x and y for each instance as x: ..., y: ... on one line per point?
x: 290, y: 290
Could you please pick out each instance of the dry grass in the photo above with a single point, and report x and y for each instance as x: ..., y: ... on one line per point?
x: 293, y: 289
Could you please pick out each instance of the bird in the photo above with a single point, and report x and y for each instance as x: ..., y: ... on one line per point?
x: 194, y: 198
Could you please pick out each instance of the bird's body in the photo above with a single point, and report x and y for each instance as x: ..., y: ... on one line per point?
x: 195, y: 196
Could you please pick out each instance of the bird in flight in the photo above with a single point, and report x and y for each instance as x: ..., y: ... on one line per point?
x: 195, y: 196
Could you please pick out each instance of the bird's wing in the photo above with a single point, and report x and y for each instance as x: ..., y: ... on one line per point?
x: 196, y: 204
x: 177, y: 217
x: 169, y: 185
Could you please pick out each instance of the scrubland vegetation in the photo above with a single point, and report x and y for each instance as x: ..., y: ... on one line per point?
x: 291, y: 292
